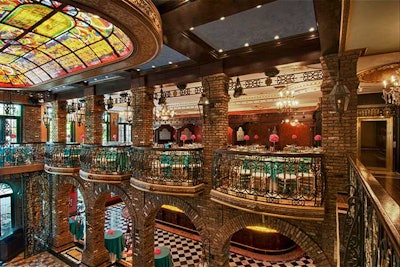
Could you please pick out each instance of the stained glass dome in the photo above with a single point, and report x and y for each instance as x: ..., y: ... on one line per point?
x: 43, y: 40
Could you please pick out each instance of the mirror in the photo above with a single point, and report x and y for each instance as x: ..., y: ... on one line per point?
x: 375, y: 142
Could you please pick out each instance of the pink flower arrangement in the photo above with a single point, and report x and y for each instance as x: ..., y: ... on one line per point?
x: 274, y: 138
x: 317, y: 137
x: 246, y: 137
x: 256, y: 137
x: 114, y: 137
x: 183, y: 137
x: 13, y: 135
x: 294, y: 137
x: 83, y: 136
x: 68, y: 136
x: 193, y: 137
x: 157, y: 250
x: 110, y: 232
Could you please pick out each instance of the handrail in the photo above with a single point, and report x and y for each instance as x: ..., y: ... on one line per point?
x: 168, y: 166
x: 62, y: 155
x: 373, y: 218
x: 107, y: 160
x: 273, y: 177
x: 21, y: 153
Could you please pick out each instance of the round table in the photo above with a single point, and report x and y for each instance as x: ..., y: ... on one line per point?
x: 114, y: 243
x: 164, y: 259
x: 76, y: 228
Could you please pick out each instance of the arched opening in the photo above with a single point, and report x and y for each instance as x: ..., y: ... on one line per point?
x: 5, y: 210
x: 176, y: 239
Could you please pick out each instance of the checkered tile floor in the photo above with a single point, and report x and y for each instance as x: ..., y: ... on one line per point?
x: 187, y: 252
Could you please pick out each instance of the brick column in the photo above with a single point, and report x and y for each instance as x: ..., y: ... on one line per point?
x: 31, y: 121
x: 339, y: 137
x: 61, y: 236
x: 94, y: 119
x: 95, y: 253
x: 143, y: 245
x: 58, y: 127
x: 142, y: 126
x: 215, y: 125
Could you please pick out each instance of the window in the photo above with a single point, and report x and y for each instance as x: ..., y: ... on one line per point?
x: 124, y: 132
x: 70, y: 131
x: 5, y: 210
x: 10, y: 123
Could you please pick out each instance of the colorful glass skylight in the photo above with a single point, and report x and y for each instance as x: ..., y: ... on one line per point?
x: 43, y: 40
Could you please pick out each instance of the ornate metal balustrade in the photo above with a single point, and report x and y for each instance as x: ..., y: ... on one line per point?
x: 266, y: 179
x: 372, y: 225
x: 109, y: 164
x: 62, y: 158
x: 19, y: 154
x: 175, y: 170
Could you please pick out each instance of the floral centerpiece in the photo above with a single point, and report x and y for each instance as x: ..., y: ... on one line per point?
x: 68, y: 138
x: 193, y: 137
x: 317, y: 139
x: 183, y: 138
x: 83, y: 136
x: 115, y: 137
x: 273, y: 138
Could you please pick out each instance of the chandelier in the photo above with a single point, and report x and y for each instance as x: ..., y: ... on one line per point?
x: 286, y: 101
x: 391, y: 91
x: 164, y: 113
x: 76, y: 111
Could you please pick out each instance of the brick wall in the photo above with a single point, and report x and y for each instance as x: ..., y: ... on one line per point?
x: 142, y: 126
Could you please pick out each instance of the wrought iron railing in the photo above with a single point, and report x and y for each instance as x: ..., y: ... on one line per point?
x: 281, y: 178
x: 20, y: 154
x: 172, y: 166
x: 62, y: 155
x: 106, y: 160
x: 372, y: 227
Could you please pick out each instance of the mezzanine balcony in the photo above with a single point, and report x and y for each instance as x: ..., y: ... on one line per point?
x: 105, y: 164
x: 281, y: 184
x: 62, y: 158
x: 177, y: 171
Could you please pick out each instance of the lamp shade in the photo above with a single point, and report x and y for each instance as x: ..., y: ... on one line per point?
x: 339, y: 98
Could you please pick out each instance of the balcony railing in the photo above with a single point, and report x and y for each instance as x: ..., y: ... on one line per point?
x: 172, y: 170
x: 111, y: 164
x: 21, y: 154
x: 269, y: 178
x: 372, y: 226
x: 62, y: 158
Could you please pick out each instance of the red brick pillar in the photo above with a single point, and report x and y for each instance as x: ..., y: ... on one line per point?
x: 61, y: 236
x: 95, y: 253
x: 142, y: 125
x: 339, y: 137
x: 31, y: 121
x: 215, y: 125
x: 58, y: 126
x: 94, y: 108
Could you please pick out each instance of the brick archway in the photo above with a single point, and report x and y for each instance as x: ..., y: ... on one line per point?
x: 222, y: 238
x: 124, y: 194
x: 155, y: 202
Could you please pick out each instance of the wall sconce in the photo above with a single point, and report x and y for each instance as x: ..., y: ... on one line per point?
x: 204, y: 103
x: 47, y: 116
x: 339, y: 96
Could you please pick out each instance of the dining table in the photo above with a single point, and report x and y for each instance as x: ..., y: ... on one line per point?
x: 114, y: 243
x: 162, y: 257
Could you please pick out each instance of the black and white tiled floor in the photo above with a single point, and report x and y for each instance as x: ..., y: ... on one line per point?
x: 186, y: 252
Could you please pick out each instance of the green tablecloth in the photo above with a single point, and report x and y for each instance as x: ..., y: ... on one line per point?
x: 114, y: 243
x: 163, y: 259
x: 76, y: 228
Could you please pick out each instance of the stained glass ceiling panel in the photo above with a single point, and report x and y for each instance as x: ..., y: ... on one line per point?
x: 44, y: 39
